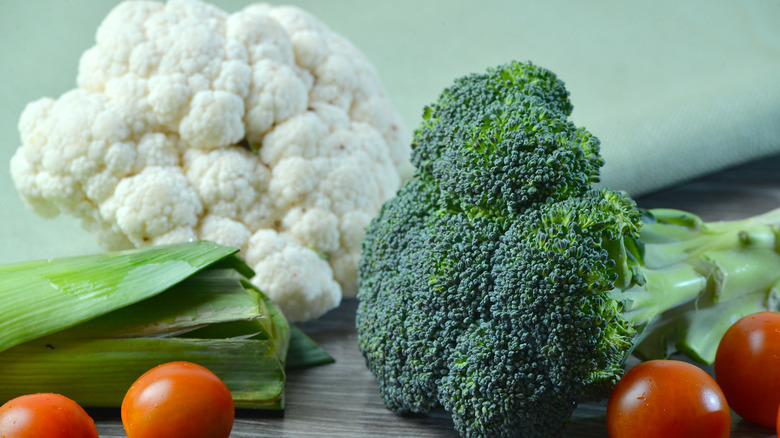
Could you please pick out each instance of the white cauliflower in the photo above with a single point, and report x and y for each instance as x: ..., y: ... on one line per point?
x: 262, y: 129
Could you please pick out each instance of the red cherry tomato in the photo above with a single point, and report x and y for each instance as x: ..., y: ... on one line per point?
x: 178, y: 399
x: 747, y: 367
x: 670, y: 399
x: 778, y: 424
x: 45, y: 415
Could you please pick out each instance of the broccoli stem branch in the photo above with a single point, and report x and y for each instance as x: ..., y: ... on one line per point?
x: 696, y: 279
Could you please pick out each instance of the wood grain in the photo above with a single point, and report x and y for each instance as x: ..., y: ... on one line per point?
x: 342, y: 400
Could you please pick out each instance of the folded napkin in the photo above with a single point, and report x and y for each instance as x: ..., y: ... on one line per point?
x: 674, y: 90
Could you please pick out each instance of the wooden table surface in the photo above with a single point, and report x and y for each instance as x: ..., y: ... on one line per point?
x: 341, y: 399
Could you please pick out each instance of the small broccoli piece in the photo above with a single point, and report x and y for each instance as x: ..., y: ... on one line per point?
x: 501, y: 286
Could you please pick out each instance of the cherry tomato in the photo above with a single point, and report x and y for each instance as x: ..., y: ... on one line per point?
x: 778, y: 424
x: 45, y: 415
x: 747, y: 367
x: 670, y: 399
x: 178, y: 399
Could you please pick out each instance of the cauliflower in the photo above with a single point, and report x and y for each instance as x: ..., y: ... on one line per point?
x: 262, y: 129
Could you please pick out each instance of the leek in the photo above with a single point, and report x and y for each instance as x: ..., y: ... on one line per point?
x: 87, y: 327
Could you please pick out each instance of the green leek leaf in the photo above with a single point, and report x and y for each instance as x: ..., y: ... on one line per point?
x: 98, y: 372
x: 42, y: 297
x: 303, y: 352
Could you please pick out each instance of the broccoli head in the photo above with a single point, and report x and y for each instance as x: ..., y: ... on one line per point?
x: 501, y: 286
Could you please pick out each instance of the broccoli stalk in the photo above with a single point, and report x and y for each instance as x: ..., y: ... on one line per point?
x: 699, y: 278
x: 501, y: 286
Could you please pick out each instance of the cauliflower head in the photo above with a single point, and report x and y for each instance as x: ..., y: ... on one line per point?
x: 262, y: 129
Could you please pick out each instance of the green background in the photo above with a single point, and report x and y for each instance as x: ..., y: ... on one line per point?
x: 673, y: 89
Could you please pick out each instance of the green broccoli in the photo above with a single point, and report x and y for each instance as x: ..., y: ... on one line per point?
x: 501, y: 286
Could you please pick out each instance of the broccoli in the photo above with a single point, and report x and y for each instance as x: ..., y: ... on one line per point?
x: 501, y: 285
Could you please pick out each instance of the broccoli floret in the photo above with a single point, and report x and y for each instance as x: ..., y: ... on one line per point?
x: 499, y: 142
x: 501, y: 286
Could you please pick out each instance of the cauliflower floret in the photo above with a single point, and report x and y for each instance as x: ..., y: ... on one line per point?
x: 261, y: 129
x: 294, y: 276
x: 232, y: 183
x: 153, y: 203
x: 225, y: 231
x: 314, y: 228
